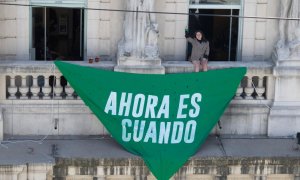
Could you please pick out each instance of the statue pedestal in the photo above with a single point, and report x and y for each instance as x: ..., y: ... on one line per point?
x: 291, y: 62
x: 139, y: 65
x: 284, y: 118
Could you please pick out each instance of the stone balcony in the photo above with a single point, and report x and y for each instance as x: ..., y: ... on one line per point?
x: 43, y: 124
x: 37, y: 100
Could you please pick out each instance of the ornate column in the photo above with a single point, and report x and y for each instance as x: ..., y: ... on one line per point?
x: 284, y: 119
x: 138, y: 49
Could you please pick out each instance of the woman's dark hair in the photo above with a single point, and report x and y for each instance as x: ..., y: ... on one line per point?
x: 203, y: 36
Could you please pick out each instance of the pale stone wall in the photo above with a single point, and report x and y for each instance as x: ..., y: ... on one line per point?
x: 14, y: 32
x: 50, y: 118
x: 272, y: 35
x: 256, y: 40
x: 104, y: 28
x: 172, y: 41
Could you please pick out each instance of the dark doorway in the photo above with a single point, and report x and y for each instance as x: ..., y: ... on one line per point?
x: 222, y: 32
x: 57, y: 33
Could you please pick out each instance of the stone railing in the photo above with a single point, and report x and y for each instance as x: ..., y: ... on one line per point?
x: 34, y: 86
x: 258, y: 84
x: 42, y: 80
x: 37, y: 100
x: 37, y: 81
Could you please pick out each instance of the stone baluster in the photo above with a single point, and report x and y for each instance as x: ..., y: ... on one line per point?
x: 249, y: 89
x: 76, y: 95
x: 69, y: 91
x: 23, y: 88
x: 35, y: 89
x: 46, y: 89
x: 260, y: 90
x: 100, y: 173
x: 12, y: 89
x: 239, y: 92
x: 57, y: 89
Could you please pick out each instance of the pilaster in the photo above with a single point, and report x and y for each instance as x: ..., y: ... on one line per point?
x: 140, y: 66
x: 99, y: 37
x: 173, y: 42
x: 284, y: 118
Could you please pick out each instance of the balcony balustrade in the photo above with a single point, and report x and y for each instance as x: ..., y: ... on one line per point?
x: 37, y: 100
x: 50, y: 84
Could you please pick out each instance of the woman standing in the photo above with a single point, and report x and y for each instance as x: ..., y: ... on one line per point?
x: 200, y: 50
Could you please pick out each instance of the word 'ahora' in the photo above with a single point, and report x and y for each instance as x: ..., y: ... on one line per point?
x: 149, y: 106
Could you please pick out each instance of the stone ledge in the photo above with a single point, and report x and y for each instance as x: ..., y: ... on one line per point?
x: 127, y: 61
x: 102, y: 157
x: 147, y: 69
x: 21, y: 66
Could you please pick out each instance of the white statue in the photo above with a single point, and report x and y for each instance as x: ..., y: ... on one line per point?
x: 151, y: 48
x: 289, y: 37
x: 140, y: 30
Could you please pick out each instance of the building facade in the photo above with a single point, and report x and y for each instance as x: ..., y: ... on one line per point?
x: 25, y: 30
x: 35, y: 32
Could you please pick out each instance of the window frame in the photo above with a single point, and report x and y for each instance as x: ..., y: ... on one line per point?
x: 78, y: 4
x: 231, y: 7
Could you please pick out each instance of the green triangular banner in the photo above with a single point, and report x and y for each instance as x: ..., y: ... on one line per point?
x: 162, y: 118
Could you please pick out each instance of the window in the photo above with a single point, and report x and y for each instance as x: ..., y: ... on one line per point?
x: 57, y: 33
x: 222, y: 32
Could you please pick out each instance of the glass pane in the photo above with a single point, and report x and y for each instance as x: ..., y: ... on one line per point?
x: 38, y: 32
x: 63, y: 36
x: 234, y: 35
x: 64, y: 29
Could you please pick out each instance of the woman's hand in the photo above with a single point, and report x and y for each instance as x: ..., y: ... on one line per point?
x: 186, y: 34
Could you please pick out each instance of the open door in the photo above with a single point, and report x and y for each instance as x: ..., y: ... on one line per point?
x: 222, y: 32
x: 220, y: 23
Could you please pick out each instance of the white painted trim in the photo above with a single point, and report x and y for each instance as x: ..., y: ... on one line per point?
x: 59, y: 3
x: 213, y: 6
x: 240, y: 33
